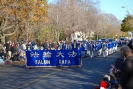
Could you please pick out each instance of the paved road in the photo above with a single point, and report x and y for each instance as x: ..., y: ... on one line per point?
x: 86, y: 77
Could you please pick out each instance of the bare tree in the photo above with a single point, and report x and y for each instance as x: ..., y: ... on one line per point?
x: 84, y: 16
x: 74, y: 15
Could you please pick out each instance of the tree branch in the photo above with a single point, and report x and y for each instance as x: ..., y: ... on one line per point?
x: 12, y: 32
x: 5, y: 22
x: 7, y: 28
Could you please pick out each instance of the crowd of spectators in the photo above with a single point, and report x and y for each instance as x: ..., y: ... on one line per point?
x: 121, y: 72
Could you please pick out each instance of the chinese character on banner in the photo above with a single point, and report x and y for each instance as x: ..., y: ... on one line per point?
x: 32, y: 54
x: 47, y: 54
x: 60, y: 54
x: 72, y: 54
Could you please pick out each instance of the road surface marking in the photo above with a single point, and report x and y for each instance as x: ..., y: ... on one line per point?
x: 26, y: 84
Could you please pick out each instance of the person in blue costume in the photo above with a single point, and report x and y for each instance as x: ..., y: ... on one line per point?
x: 87, y: 48
x: 99, y: 48
x: 109, y: 48
x: 29, y: 48
x: 63, y: 46
x: 86, y: 44
x: 95, y: 45
x: 116, y: 45
x: 82, y: 49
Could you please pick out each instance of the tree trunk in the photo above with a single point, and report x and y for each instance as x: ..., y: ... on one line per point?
x: 2, y: 38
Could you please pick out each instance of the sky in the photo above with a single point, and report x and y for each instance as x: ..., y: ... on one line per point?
x: 115, y: 7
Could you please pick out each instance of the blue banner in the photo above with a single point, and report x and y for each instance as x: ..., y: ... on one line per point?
x: 53, y: 58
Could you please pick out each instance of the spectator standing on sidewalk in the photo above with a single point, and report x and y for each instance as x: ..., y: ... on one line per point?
x: 8, y: 49
x: 13, y: 48
x: 1, y: 50
x: 126, y: 78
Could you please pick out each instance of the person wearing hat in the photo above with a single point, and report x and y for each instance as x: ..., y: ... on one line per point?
x: 104, y: 84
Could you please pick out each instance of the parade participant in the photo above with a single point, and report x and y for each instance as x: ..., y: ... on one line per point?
x: 69, y: 46
x: 55, y: 46
x: 87, y: 48
x: 112, y: 47
x: 104, y: 49
x: 95, y: 49
x: 63, y: 45
x: 75, y: 45
x: 29, y: 46
x: 66, y: 45
x: 51, y: 46
x: 79, y: 46
x: 82, y: 48
x: 99, y: 48
x: 45, y: 45
x: 126, y: 78
x: 109, y: 48
x: 86, y: 45
x: 91, y: 48
x: 59, y: 45
x: 115, y: 46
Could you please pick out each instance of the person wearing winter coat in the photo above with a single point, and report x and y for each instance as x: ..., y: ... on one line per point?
x: 130, y: 45
x: 126, y: 78
x: 104, y: 84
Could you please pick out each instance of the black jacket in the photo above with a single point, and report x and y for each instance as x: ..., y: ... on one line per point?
x: 126, y: 79
x: 8, y: 47
x: 130, y: 45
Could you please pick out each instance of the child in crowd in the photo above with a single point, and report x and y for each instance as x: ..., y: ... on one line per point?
x: 22, y: 56
x: 104, y: 84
